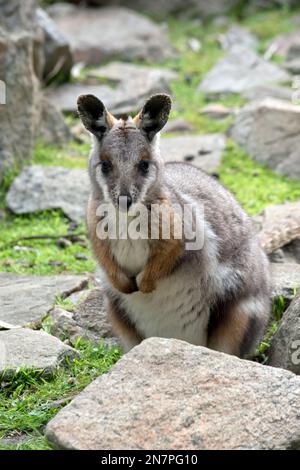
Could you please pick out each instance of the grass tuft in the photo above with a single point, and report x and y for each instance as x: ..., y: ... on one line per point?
x: 29, y: 400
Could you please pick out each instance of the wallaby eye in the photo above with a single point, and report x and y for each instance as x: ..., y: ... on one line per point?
x: 106, y: 166
x: 144, y: 167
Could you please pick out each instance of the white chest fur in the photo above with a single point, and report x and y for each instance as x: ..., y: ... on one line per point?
x: 131, y: 255
x: 176, y: 309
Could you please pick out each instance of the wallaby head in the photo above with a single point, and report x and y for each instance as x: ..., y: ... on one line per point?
x: 125, y: 161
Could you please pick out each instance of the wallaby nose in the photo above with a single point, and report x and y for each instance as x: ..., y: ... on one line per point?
x: 125, y: 201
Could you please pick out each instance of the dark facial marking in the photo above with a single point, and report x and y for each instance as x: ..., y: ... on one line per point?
x: 106, y: 167
x: 144, y: 167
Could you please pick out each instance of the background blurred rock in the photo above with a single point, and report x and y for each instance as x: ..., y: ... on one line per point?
x: 187, y: 7
x: 20, y: 61
x: 56, y: 49
x: 91, y: 33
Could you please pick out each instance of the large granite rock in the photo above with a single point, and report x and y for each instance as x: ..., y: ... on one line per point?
x: 39, y: 188
x: 100, y: 35
x: 18, y: 51
x: 168, y: 394
x: 285, y: 346
x: 240, y: 70
x: 269, y: 132
x: 128, y: 87
x: 32, y: 349
x: 26, y: 300
x: 203, y: 151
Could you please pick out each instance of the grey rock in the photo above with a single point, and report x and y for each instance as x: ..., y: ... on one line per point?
x: 293, y: 66
x: 269, y: 132
x: 216, y: 111
x: 285, y: 346
x: 26, y: 300
x: 177, y: 125
x: 56, y: 49
x: 40, y: 188
x: 277, y: 214
x: 168, y: 394
x: 18, y: 117
x: 175, y: 7
x: 292, y: 251
x: 240, y: 70
x: 97, y: 36
x: 32, y: 349
x: 128, y: 87
x: 237, y: 35
x: 203, y: 151
x: 261, y: 92
x: 285, y: 279
x: 64, y: 98
x: 87, y: 320
x: 286, y: 45
x: 274, y: 222
x: 58, y: 9
x: 53, y: 130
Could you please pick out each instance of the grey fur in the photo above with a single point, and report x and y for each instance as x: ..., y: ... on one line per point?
x: 229, y: 272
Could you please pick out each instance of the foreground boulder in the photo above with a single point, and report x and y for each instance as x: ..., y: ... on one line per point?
x: 26, y: 300
x: 269, y: 132
x: 100, y: 35
x: 241, y: 70
x: 32, y: 349
x: 285, y: 346
x: 18, y: 109
x: 168, y: 394
x: 39, y: 188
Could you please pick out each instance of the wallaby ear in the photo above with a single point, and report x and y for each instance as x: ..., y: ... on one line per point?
x: 94, y: 115
x: 154, y: 115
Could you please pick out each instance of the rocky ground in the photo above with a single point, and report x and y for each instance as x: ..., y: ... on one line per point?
x: 234, y: 83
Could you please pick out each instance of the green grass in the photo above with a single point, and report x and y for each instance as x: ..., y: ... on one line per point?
x: 254, y: 186
x: 72, y: 156
x: 29, y: 400
x: 42, y: 257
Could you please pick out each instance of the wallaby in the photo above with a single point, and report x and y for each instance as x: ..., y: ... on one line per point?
x: 215, y: 296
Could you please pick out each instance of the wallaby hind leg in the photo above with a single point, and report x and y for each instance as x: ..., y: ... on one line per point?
x: 123, y: 328
x: 238, y: 328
